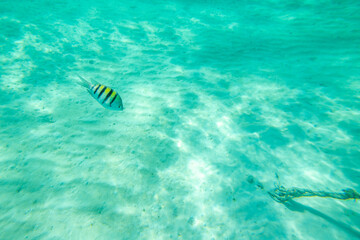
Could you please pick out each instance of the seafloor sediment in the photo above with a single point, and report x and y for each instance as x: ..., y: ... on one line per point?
x: 213, y: 92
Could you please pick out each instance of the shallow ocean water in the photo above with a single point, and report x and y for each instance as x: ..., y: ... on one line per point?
x: 213, y: 92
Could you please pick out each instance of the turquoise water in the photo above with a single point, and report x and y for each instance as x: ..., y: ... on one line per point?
x: 213, y: 92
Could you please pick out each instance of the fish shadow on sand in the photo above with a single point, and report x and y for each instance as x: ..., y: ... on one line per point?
x: 295, y: 206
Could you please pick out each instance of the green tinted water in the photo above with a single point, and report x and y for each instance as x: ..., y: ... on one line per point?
x: 213, y: 91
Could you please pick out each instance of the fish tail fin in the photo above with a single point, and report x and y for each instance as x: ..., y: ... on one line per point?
x: 83, y: 82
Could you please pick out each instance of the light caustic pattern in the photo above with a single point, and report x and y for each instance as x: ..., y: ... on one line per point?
x: 213, y: 92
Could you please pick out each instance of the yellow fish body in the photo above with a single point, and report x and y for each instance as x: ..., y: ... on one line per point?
x: 106, y: 96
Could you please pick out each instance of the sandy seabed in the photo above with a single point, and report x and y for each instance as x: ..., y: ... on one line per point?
x: 214, y: 92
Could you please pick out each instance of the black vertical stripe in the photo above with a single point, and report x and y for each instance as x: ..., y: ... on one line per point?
x: 113, y: 99
x: 108, y: 95
x: 102, y: 91
x: 97, y: 88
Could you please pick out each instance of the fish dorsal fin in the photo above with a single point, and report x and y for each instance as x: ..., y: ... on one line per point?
x: 83, y: 82
x: 87, y: 83
x: 94, y: 82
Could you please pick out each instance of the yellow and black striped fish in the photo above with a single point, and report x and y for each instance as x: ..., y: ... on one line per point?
x: 106, y: 96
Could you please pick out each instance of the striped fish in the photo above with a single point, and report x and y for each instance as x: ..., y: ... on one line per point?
x: 106, y: 96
